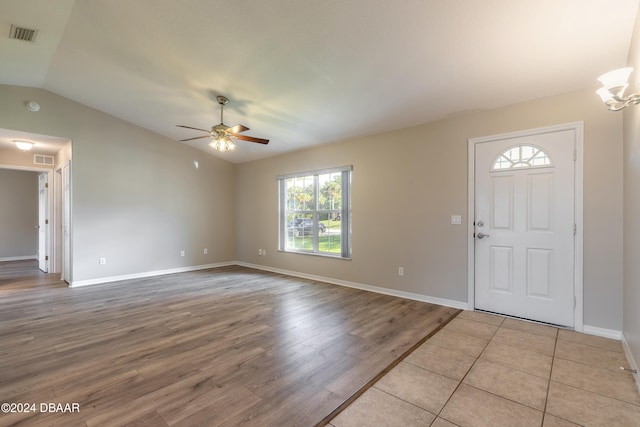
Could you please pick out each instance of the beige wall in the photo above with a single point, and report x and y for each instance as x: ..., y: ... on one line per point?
x: 631, y: 328
x: 15, y: 157
x: 407, y: 184
x: 18, y: 213
x: 137, y: 198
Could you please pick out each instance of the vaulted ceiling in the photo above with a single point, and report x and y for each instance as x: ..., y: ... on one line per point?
x: 303, y: 72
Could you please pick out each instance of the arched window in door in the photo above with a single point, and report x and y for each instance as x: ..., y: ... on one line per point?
x: 522, y: 157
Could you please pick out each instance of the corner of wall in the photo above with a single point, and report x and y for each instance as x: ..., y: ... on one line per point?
x: 633, y: 365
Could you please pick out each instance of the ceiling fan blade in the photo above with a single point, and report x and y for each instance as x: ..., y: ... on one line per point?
x: 252, y: 139
x: 197, y: 137
x: 238, y: 129
x: 189, y: 127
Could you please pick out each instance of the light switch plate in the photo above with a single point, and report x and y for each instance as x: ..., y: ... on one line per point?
x: 456, y: 219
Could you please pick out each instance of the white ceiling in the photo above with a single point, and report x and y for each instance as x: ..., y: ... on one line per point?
x: 303, y: 72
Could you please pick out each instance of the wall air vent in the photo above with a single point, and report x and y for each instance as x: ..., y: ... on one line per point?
x: 41, y: 159
x: 21, y: 33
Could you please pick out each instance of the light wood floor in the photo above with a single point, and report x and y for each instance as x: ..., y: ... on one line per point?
x: 229, y: 346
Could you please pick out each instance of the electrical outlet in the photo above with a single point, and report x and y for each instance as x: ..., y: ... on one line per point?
x: 181, y: 253
x: 400, y: 271
x: 103, y: 261
x: 205, y: 251
x: 259, y: 252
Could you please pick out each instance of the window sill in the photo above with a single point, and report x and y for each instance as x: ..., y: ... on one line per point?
x: 315, y: 254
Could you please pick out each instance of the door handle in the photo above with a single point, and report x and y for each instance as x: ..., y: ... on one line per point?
x: 37, y: 226
x: 481, y: 235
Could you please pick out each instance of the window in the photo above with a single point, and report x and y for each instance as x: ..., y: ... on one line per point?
x: 522, y: 156
x: 315, y: 212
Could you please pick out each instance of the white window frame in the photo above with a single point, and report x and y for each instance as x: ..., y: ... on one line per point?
x: 521, y: 160
x: 345, y: 212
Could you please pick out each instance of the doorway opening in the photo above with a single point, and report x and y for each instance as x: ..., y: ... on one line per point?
x: 48, y: 212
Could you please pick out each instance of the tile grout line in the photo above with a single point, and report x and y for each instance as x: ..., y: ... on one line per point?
x: 557, y: 339
x: 624, y: 402
x: 518, y: 370
x: 467, y: 373
x: 403, y: 400
x: 593, y: 367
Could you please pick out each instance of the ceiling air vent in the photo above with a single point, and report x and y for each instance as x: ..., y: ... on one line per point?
x: 41, y: 159
x: 21, y: 33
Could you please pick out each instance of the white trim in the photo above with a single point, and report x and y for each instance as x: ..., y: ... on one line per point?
x: 471, y: 217
x: 578, y: 128
x: 100, y: 280
x: 631, y: 360
x: 578, y: 249
x: 18, y: 258
x: 391, y: 292
x: 65, y: 212
x: 348, y: 168
x: 26, y: 168
x: 602, y: 332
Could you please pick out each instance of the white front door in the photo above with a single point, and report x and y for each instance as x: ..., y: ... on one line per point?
x: 43, y: 201
x: 524, y: 226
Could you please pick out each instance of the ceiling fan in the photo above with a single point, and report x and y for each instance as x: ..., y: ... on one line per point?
x: 221, y: 135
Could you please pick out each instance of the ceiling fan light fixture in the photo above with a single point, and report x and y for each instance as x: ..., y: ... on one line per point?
x: 24, y: 145
x: 222, y: 143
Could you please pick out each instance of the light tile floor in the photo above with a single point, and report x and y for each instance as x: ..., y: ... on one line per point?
x: 485, y: 370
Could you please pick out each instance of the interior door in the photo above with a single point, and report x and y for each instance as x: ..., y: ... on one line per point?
x: 524, y: 226
x: 43, y: 200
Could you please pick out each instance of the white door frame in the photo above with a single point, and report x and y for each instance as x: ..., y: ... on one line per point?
x: 578, y: 128
x: 44, y: 215
x: 65, y: 221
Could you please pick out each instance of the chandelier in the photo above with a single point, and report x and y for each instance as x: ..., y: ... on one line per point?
x: 614, y: 83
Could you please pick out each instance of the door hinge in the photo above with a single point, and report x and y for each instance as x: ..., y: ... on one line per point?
x: 46, y: 185
x: 575, y: 229
x: 46, y: 258
x: 46, y: 221
x: 575, y: 155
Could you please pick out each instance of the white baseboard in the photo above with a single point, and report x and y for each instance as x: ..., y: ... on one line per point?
x: 601, y: 332
x: 591, y: 330
x: 18, y: 258
x: 78, y: 283
x: 392, y: 292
